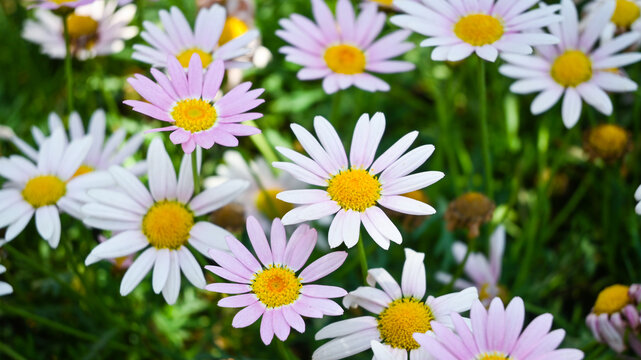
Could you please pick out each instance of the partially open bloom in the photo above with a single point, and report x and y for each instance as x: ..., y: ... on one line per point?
x: 400, y: 312
x: 162, y: 221
x: 457, y: 29
x: 574, y: 68
x: 5, y: 289
x: 495, y: 334
x: 61, y: 4
x: 96, y: 29
x: 342, y: 51
x: 353, y: 190
x: 609, y: 142
x: 273, y: 290
x: 179, y: 41
x: 626, y: 17
x: 189, y: 103
x: 45, y: 188
x: 469, y: 211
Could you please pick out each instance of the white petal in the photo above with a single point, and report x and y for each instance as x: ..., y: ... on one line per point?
x: 414, y: 282
x: 161, y: 270
x: 191, y: 268
x: 138, y: 270
x: 172, y: 286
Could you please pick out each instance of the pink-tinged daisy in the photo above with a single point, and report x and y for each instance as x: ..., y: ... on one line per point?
x: 342, y: 51
x: 273, y: 290
x: 495, y: 334
x: 353, y: 190
x: 574, y: 68
x: 60, y: 4
x: 188, y: 102
x: 179, y: 41
x: 46, y: 187
x: 626, y: 17
x: 399, y: 312
x: 160, y: 222
x: 485, y: 273
x: 486, y: 27
x: 5, y: 288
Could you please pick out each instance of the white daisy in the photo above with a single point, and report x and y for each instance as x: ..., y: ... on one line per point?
x: 626, y: 17
x: 352, y: 190
x: 458, y: 28
x: 161, y: 221
x: 574, y: 68
x: 400, y: 312
x: 637, y: 197
x: 5, y: 289
x: 45, y: 188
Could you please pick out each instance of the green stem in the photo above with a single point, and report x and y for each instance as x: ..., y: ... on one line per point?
x: 68, y: 70
x: 362, y: 257
x: 459, y: 270
x: 336, y: 107
x: 194, y: 172
x: 4, y: 348
x: 282, y: 350
x: 485, y: 138
x: 262, y: 144
x: 569, y: 207
x: 140, y: 14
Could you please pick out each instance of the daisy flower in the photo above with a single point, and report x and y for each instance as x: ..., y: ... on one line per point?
x: 188, y: 102
x: 496, y: 334
x: 273, y: 290
x: 469, y: 211
x: 486, y: 27
x: 626, y: 17
x: 400, y: 312
x: 5, y: 289
x: 637, y: 197
x: 485, y: 273
x: 574, y: 68
x: 96, y: 29
x: 60, y: 4
x: 161, y: 221
x: 46, y: 187
x: 353, y: 190
x: 342, y: 50
x: 179, y: 41
x: 608, y: 142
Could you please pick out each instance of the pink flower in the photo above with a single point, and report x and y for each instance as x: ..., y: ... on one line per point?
x: 273, y: 290
x: 188, y: 102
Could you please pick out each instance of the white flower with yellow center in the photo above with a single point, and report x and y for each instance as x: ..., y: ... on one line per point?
x: 353, y: 190
x: 626, y: 17
x: 574, y: 69
x: 400, y: 311
x: 486, y: 27
x: 208, y: 39
x: 5, y: 289
x: 162, y: 221
x: 44, y: 188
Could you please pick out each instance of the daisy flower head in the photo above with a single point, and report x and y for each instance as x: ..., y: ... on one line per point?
x: 495, y: 334
x: 400, y: 311
x: 574, y: 69
x: 342, y: 51
x: 189, y: 103
x: 46, y: 187
x: 271, y: 288
x: 5, y: 289
x: 159, y: 222
x: 97, y: 29
x: 179, y: 41
x: 353, y: 189
x: 64, y: 5
x: 626, y: 17
x: 637, y: 197
x: 608, y: 142
x: 456, y: 29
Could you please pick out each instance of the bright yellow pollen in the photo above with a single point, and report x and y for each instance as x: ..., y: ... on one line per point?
x: 345, y: 59
x: 384, y: 2
x: 625, y: 13
x: 234, y: 27
x: 354, y: 189
x: 194, y: 115
x: 401, y: 319
x: 611, y: 299
x: 83, y: 169
x: 185, y: 56
x: 167, y: 224
x: 62, y: 1
x: 44, y: 190
x: 492, y: 356
x: 81, y: 25
x: 276, y: 286
x: 571, y: 68
x: 479, y: 29
x: 270, y: 206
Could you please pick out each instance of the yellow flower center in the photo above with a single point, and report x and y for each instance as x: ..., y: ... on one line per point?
x: 194, y: 115
x: 487, y: 294
x: 276, y: 286
x: 44, y: 190
x: 495, y: 355
x: 270, y: 206
x: 81, y: 25
x: 607, y: 141
x: 625, y: 13
x: 83, y: 169
x: 384, y: 2
x: 59, y: 2
x: 401, y: 319
x: 185, y: 56
x: 571, y: 68
x: 354, y: 189
x: 167, y: 224
x: 612, y: 299
x: 345, y: 59
x: 479, y: 29
x: 234, y: 27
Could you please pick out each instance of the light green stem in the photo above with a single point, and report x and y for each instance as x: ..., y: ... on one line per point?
x: 362, y: 257
x: 262, y: 144
x: 68, y: 70
x: 194, y: 171
x: 485, y: 137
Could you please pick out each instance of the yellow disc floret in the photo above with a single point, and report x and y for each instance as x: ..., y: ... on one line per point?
x: 44, y: 190
x: 401, y: 319
x: 345, y: 59
x: 83, y: 169
x: 276, y: 286
x: 270, y: 206
x: 571, y: 68
x: 234, y: 27
x: 479, y: 29
x: 625, y: 13
x: 184, y: 57
x: 194, y: 115
x: 612, y: 299
x: 167, y: 224
x: 607, y: 141
x: 81, y: 25
x: 354, y: 189
x: 495, y: 355
x: 387, y: 3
